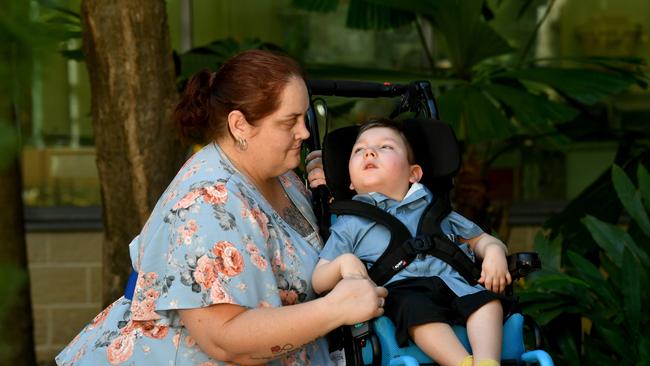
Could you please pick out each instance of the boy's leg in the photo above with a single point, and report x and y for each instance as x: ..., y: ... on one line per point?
x: 484, y: 330
x: 439, y: 341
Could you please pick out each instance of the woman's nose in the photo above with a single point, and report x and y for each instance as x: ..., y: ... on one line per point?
x: 303, y: 132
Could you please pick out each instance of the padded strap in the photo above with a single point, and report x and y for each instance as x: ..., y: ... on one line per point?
x: 403, y: 248
x: 442, y: 247
x: 388, y: 263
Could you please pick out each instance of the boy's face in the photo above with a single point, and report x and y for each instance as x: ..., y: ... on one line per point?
x: 379, y: 163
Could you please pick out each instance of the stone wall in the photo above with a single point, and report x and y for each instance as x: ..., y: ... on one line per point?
x: 65, y: 275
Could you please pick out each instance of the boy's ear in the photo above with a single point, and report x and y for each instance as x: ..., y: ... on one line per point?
x: 351, y: 187
x: 416, y: 173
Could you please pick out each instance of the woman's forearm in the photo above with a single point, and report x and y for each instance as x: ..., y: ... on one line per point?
x: 256, y: 336
x: 252, y: 336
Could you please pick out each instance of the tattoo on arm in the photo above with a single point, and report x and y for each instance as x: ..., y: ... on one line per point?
x: 279, y: 351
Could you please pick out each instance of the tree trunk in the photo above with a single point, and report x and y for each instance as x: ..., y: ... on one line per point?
x: 16, y: 335
x: 129, y: 60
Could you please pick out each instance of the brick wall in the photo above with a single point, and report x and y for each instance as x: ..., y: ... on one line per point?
x: 65, y: 274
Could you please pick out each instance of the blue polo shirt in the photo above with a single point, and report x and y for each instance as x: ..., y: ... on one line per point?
x: 368, y: 240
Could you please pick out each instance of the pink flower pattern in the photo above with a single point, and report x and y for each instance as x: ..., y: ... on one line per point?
x: 120, y: 349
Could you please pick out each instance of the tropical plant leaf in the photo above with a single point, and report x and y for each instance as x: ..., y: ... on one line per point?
x: 468, y: 39
x: 480, y: 118
x: 321, y: 6
x: 363, y: 14
x: 631, y: 290
x: 568, y: 347
x: 614, y: 337
x: 535, y: 113
x: 549, y: 251
x: 584, y: 85
x: 212, y: 55
x: 609, y: 237
x: 548, y: 316
x: 591, y: 275
x: 630, y: 198
x: 451, y: 105
x: 561, y: 283
x: 644, y: 185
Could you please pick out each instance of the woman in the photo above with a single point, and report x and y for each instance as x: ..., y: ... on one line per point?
x: 225, y: 260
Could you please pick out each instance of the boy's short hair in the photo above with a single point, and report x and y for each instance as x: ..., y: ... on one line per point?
x: 392, y: 124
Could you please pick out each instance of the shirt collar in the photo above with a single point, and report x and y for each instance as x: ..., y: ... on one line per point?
x: 415, y: 193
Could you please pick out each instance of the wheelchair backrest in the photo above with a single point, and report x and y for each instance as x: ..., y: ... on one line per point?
x: 434, y: 145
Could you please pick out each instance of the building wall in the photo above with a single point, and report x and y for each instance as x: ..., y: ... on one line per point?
x: 65, y: 274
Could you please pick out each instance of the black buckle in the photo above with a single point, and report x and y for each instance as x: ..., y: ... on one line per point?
x: 420, y: 244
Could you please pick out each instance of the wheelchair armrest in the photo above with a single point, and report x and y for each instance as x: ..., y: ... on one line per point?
x: 522, y: 263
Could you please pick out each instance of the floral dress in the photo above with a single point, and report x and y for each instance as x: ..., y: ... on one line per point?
x: 211, y: 239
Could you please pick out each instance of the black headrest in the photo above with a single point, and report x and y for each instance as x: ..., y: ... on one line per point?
x: 434, y: 144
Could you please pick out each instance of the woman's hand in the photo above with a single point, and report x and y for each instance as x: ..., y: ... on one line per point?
x: 357, y: 300
x: 314, y: 168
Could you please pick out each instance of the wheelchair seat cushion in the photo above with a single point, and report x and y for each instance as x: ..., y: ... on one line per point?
x: 511, y: 350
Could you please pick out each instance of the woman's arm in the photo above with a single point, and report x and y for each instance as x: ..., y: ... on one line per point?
x: 327, y: 274
x: 233, y: 333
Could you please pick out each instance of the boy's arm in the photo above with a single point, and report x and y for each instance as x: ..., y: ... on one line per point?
x: 328, y: 273
x: 494, y: 270
x: 484, y: 242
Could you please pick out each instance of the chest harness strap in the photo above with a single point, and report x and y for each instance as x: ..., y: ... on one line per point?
x: 403, y: 248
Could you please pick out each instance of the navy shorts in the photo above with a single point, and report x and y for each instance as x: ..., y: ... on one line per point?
x: 416, y: 301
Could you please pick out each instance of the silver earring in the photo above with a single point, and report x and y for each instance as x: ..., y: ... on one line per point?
x: 242, y: 144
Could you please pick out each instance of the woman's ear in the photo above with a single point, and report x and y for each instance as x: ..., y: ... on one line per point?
x: 237, y: 124
x: 416, y: 173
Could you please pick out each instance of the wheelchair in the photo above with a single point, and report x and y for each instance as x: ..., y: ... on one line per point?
x: 374, y: 343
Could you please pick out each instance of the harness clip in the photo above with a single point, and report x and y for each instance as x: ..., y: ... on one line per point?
x: 420, y: 244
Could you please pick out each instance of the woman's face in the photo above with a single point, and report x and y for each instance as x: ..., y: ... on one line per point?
x: 275, y: 140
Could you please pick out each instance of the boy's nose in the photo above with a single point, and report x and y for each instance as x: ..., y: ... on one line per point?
x: 370, y: 153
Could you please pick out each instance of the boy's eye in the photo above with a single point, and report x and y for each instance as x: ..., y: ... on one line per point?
x: 357, y: 150
x: 388, y: 147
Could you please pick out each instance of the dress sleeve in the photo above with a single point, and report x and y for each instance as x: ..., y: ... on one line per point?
x: 213, y: 246
x: 341, y: 239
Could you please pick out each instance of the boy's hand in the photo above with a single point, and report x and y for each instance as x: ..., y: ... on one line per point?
x: 494, y: 270
x: 314, y: 168
x: 351, y: 266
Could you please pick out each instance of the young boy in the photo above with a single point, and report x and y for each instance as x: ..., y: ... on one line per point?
x: 427, y: 296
